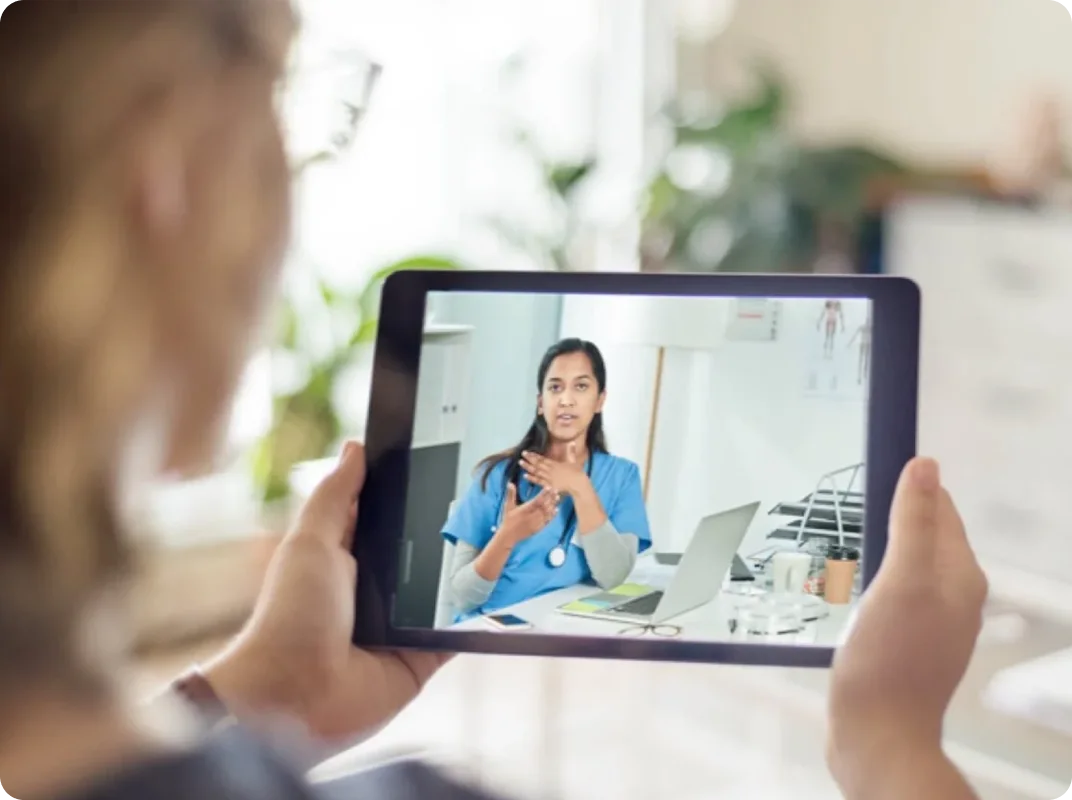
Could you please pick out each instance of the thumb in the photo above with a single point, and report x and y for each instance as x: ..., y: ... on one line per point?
x: 914, y: 516
x: 511, y: 497
x: 329, y: 511
x: 571, y: 452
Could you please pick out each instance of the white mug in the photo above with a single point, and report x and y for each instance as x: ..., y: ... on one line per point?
x: 790, y: 572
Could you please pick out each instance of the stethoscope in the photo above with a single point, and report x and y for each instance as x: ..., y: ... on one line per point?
x: 557, y: 557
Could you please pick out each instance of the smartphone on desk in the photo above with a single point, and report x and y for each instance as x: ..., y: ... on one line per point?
x: 508, y: 622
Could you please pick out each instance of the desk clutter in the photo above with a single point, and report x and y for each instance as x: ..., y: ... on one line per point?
x: 816, y: 543
x: 751, y: 612
x: 818, y: 568
x: 777, y: 614
x: 829, y: 513
x: 612, y: 598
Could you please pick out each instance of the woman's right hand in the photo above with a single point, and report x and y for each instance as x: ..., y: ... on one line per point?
x: 912, y: 640
x: 527, y: 519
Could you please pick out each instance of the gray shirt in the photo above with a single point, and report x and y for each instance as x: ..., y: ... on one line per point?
x: 611, y: 556
x: 233, y: 766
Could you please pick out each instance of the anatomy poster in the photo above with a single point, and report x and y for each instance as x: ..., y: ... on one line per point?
x: 838, y: 358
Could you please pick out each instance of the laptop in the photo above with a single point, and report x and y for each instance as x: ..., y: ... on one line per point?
x: 739, y: 572
x: 697, y: 581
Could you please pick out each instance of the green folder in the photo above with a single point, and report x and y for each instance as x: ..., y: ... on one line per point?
x: 598, y: 602
x: 581, y: 607
x: 631, y: 590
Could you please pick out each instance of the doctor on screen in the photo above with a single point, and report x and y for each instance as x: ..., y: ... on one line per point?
x: 555, y: 510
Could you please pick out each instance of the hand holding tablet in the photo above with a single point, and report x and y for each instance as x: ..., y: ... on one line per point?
x: 908, y: 649
x: 676, y: 403
x: 294, y: 657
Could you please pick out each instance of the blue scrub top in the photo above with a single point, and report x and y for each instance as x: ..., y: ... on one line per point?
x: 528, y: 572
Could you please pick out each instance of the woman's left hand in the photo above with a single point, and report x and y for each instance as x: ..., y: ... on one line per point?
x: 295, y: 657
x: 564, y: 477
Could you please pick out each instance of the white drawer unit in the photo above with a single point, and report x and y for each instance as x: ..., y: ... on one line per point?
x: 443, y: 385
x: 996, y: 372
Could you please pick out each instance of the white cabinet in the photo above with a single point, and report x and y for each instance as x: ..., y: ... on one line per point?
x: 995, y: 381
x: 443, y: 386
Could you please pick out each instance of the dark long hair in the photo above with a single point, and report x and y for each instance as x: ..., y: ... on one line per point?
x: 538, y: 438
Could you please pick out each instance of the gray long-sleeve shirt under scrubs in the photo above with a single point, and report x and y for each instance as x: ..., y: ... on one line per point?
x: 611, y: 556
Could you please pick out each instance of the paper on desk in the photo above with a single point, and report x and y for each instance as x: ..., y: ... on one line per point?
x: 1038, y: 691
x: 583, y: 607
x: 631, y: 590
x: 603, y: 600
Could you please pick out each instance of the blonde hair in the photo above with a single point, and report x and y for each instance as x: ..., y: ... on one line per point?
x: 78, y: 335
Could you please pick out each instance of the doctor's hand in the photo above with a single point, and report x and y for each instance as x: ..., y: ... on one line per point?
x: 294, y: 657
x: 523, y: 521
x: 909, y: 648
x: 564, y: 477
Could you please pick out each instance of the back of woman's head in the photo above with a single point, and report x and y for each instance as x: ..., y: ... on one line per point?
x: 143, y: 208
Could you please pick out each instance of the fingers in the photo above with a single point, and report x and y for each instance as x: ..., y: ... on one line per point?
x: 530, y: 462
x: 544, y: 506
x: 536, y: 470
x: 331, y: 510
x: 536, y: 461
x: 949, y: 519
x: 547, y: 498
x: 915, y: 517
x: 538, y: 477
x: 510, y: 503
x: 548, y: 505
x: 958, y: 551
x: 927, y: 539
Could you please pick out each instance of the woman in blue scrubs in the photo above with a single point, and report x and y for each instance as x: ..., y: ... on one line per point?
x: 555, y: 510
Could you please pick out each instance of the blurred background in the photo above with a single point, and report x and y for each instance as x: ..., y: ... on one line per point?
x: 916, y: 138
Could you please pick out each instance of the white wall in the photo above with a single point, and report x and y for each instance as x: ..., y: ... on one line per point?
x: 736, y: 421
x: 511, y: 334
x: 940, y: 80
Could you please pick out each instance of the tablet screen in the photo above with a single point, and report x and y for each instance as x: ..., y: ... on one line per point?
x: 638, y: 466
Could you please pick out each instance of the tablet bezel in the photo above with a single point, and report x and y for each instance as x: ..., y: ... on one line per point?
x: 891, y: 443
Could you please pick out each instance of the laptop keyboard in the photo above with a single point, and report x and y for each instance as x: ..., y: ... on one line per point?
x: 642, y: 607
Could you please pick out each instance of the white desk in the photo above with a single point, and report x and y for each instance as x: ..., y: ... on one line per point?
x: 707, y: 623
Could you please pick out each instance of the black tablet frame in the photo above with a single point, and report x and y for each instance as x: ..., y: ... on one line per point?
x: 891, y: 443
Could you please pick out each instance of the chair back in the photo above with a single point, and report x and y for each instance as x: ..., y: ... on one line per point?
x: 445, y: 612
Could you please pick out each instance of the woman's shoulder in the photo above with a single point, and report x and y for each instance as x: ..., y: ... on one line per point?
x: 488, y: 476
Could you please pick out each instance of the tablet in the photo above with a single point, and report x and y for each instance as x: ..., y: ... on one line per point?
x: 600, y: 455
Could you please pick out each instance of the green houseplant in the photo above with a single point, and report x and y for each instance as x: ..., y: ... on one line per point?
x: 306, y: 424
x: 738, y: 193
x: 323, y: 330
